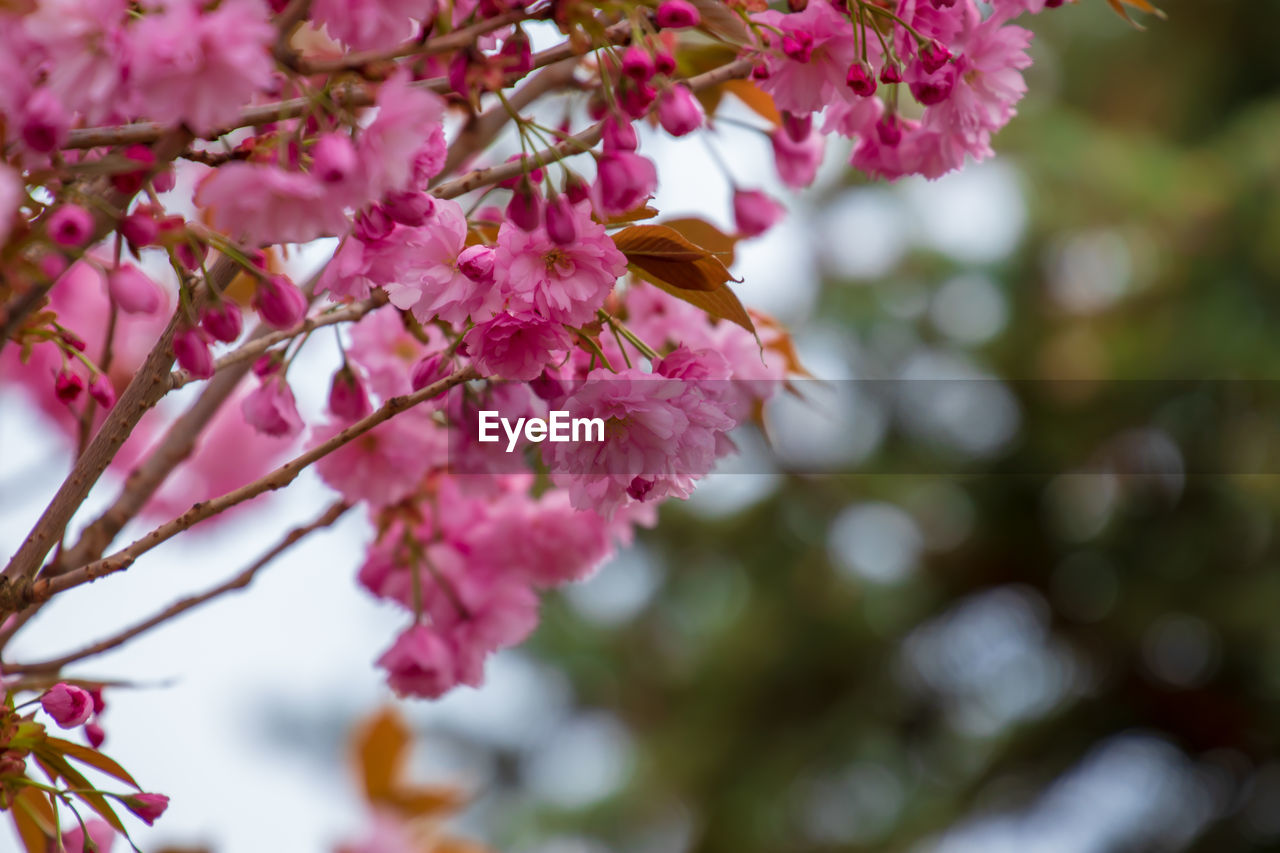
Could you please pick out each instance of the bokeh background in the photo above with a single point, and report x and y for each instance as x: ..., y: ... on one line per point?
x: 995, y: 654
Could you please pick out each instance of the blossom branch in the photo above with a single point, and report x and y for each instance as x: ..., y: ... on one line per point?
x: 14, y: 597
x: 238, y: 582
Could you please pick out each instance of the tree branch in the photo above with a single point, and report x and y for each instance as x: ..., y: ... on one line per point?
x: 15, y: 596
x: 240, y: 581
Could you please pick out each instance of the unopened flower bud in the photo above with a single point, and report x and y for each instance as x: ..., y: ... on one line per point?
x: 373, y: 224
x: 860, y: 79
x: 223, y: 321
x: 525, y: 208
x: 140, y: 229
x: 637, y: 64
x: 476, y: 263
x: 679, y: 111
x: 102, y: 391
x: 754, y: 212
x: 67, y: 385
x: 562, y: 227
x: 333, y: 158
x: 192, y: 351
x: 133, y: 290
x: 934, y: 55
x: 148, y: 807
x: 70, y: 706
x: 677, y: 14
x: 409, y: 207
x: 279, y: 302
x: 348, y: 398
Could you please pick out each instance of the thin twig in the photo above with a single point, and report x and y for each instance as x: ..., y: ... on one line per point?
x: 240, y: 581
x: 43, y: 588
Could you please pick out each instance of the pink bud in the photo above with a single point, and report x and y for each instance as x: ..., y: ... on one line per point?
x: 140, y: 229
x: 191, y: 255
x: 860, y: 79
x: 333, y: 158
x: 562, y: 227
x: 223, y: 321
x: 348, y: 399
x: 131, y: 181
x: 624, y: 180
x: 889, y: 129
x: 636, y: 98
x: 430, y: 369
x: 640, y: 488
x: 575, y: 188
x: 99, y: 704
x: 95, y: 734
x: 637, y: 64
x: 133, y: 290
x: 664, y: 63
x: 148, y: 807
x: 934, y: 55
x: 164, y: 180
x: 52, y: 265
x: 279, y: 302
x: 192, y: 352
x: 268, y: 364
x: 408, y: 207
x: 618, y: 134
x: 677, y: 14
x: 44, y: 122
x: 754, y: 212
x: 272, y: 410
x: 67, y: 386
x: 891, y: 73
x: 101, y: 390
x: 69, y: 705
x: 930, y: 88
x: 525, y: 208
x: 679, y: 111
x: 70, y: 225
x: 373, y: 224
x: 476, y: 263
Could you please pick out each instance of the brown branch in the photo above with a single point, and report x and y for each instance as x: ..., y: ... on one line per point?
x: 240, y: 581
x: 348, y: 96
x: 149, y: 384
x: 258, y: 345
x: 18, y: 595
x: 579, y: 142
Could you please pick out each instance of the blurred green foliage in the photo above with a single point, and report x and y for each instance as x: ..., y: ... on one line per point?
x: 780, y: 704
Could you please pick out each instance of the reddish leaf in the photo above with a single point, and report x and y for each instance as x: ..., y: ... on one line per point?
x: 760, y: 101
x: 709, y: 237
x: 94, y: 759
x: 1142, y: 5
x: 665, y: 253
x: 381, y: 746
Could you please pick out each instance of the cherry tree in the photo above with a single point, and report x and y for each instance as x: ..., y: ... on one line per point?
x: 165, y: 162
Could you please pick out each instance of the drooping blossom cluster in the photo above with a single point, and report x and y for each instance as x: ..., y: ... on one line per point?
x: 171, y: 167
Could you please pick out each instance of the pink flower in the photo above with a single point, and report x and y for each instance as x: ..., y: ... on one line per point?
x: 365, y: 262
x: 386, y: 351
x: 371, y: 24
x: 987, y: 86
x: 679, y: 111
x: 223, y: 321
x: 516, y: 346
x: 70, y: 706
x: 200, y: 67
x: 660, y: 436
x: 547, y: 541
x: 45, y: 122
x: 101, y: 836
x: 269, y: 205
x: 348, y: 399
x: 192, y: 351
x: 334, y: 159
x: 70, y: 225
x: 148, y: 807
x: 805, y: 84
x: 101, y: 390
x: 271, y: 409
x: 67, y: 385
x: 279, y: 302
x: 420, y: 663
x: 405, y: 137
x: 677, y: 14
x: 624, y: 180
x: 797, y: 162
x: 754, y: 212
x: 437, y: 285
x: 133, y: 290
x: 87, y: 52
x: 386, y: 464
x: 565, y: 284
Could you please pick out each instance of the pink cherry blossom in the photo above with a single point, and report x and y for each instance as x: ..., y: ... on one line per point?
x: 101, y: 835
x: 386, y: 464
x: 200, y: 66
x: 808, y: 86
x: 566, y: 284
x: 70, y: 706
x: 420, y: 663
x: 797, y: 162
x: 371, y: 24
x: 515, y: 346
x: 269, y: 203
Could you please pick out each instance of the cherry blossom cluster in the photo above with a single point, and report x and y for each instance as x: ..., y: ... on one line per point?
x: 164, y: 160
